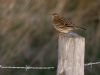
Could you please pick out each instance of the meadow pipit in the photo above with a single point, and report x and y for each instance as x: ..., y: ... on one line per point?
x: 62, y: 25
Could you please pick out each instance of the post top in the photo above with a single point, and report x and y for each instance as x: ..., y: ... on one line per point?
x: 71, y: 34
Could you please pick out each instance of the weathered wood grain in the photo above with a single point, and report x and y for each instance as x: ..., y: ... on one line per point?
x: 71, y: 49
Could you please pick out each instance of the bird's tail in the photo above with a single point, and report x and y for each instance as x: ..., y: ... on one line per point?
x: 77, y: 27
x: 80, y: 28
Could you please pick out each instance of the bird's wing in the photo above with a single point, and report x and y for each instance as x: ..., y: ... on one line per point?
x: 69, y: 23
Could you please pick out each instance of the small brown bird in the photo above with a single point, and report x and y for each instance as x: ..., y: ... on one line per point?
x: 62, y: 25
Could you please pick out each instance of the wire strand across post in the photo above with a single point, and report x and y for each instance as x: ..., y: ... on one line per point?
x: 71, y: 48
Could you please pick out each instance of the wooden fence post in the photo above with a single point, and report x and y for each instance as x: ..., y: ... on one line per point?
x: 71, y: 49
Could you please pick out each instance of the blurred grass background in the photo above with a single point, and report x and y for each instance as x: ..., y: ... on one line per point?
x: 27, y: 36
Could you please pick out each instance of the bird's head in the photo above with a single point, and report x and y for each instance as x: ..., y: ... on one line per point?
x: 55, y: 16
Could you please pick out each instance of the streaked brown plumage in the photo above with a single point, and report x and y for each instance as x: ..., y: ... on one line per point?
x: 62, y: 25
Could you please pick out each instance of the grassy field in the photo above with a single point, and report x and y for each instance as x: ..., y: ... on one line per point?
x: 27, y: 36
